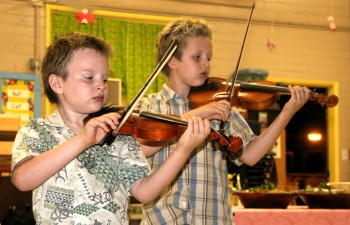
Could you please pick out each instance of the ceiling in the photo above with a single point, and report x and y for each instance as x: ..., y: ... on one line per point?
x: 113, y: 4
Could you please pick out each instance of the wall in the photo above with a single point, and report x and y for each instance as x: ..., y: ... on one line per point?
x: 307, y: 51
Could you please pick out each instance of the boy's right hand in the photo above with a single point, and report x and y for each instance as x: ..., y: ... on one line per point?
x: 97, y: 128
x: 219, y: 110
x: 197, y: 131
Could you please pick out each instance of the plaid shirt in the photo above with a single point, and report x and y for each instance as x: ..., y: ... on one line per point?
x: 200, y: 194
x: 93, y: 188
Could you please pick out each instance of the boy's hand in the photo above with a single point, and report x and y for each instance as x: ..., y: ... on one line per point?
x: 219, y: 110
x: 97, y: 128
x: 197, y: 131
x: 299, y: 96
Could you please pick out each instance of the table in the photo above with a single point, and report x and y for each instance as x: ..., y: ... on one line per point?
x: 293, y: 215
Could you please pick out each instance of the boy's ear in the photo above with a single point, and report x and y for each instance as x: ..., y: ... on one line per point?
x: 55, y: 83
x: 172, y: 63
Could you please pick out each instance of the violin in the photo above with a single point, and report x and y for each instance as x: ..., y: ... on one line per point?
x: 258, y: 95
x: 159, y: 127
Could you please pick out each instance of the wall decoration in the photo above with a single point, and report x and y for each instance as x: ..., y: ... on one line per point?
x: 330, y: 18
x: 85, y: 17
x: 20, y: 95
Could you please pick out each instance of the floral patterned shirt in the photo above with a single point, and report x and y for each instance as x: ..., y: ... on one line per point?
x: 200, y: 195
x: 93, y: 188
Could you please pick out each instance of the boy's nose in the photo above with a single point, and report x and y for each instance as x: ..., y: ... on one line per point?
x: 205, y: 63
x: 101, y: 85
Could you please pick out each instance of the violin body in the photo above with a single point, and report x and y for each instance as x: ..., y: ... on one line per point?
x: 258, y: 95
x: 217, y: 89
x: 150, y: 130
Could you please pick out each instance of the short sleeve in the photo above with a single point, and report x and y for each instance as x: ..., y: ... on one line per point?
x: 31, y: 140
x: 133, y: 163
x: 238, y: 126
x: 21, y: 150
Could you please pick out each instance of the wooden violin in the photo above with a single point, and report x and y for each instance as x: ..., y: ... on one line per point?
x: 159, y: 127
x: 258, y: 95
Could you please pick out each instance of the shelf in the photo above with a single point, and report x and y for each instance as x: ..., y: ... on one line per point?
x: 7, y: 135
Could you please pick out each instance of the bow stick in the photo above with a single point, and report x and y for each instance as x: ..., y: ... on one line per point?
x: 109, y: 138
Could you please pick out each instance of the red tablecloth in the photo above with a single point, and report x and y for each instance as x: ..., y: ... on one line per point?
x: 293, y: 215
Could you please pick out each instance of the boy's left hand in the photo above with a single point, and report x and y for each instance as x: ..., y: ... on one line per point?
x: 299, y: 96
x: 197, y: 131
x: 97, y: 128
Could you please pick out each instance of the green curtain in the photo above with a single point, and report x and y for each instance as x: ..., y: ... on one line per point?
x: 133, y: 43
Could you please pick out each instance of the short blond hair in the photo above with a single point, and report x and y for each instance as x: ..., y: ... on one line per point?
x: 178, y: 30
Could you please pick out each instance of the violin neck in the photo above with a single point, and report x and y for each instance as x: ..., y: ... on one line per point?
x: 262, y: 88
x: 162, y: 117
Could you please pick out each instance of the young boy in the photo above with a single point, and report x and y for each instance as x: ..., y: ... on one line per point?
x: 74, y: 179
x: 200, y: 195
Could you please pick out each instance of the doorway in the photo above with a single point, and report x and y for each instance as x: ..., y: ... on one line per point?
x: 307, y: 160
x: 327, y: 119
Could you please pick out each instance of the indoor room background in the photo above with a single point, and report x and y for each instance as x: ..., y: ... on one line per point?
x: 291, y: 40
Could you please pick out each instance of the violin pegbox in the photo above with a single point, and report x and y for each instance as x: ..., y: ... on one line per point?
x: 323, y: 100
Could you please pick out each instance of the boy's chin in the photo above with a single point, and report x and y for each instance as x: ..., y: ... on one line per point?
x: 198, y: 84
x: 95, y: 109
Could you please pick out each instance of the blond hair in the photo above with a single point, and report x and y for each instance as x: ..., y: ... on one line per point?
x: 178, y: 30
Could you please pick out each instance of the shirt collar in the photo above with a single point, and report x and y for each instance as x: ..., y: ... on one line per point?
x: 55, y: 119
x: 169, y: 94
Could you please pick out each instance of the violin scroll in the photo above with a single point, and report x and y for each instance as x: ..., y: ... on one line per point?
x: 232, y: 144
x: 325, y: 102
